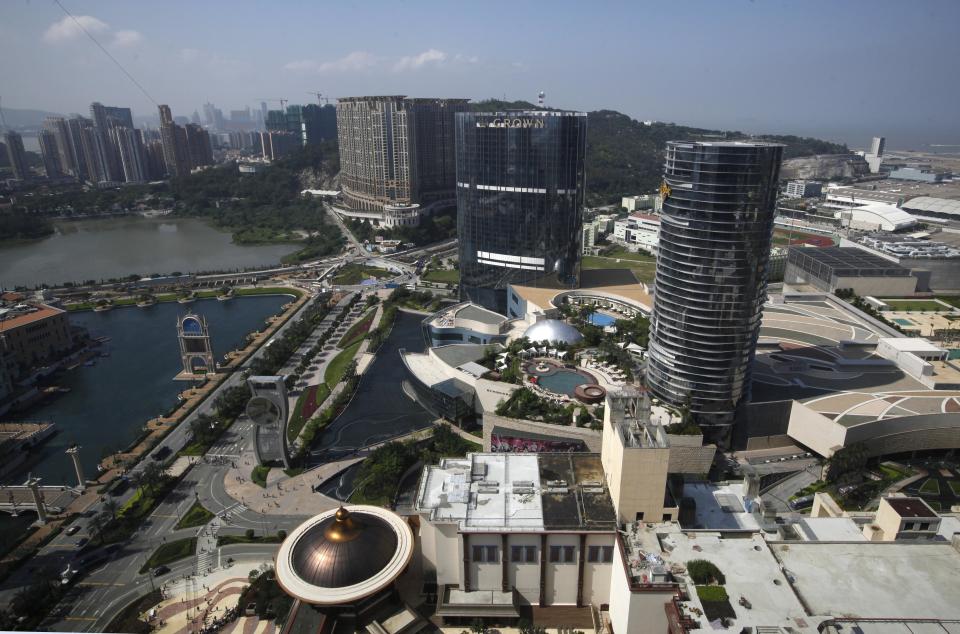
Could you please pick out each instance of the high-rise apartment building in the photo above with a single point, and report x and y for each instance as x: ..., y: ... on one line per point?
x: 104, y: 119
x: 198, y: 145
x: 175, y: 153
x: 520, y: 189
x: 16, y: 155
x: 715, y: 233
x: 50, y: 154
x: 75, y: 128
x: 380, y: 149
x: 132, y: 155
x: 318, y: 123
x: 274, y: 145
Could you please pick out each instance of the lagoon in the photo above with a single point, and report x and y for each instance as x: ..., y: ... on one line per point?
x: 103, y: 248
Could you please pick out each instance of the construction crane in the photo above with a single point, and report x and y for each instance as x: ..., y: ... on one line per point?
x: 283, y: 102
x: 3, y: 121
x: 320, y: 97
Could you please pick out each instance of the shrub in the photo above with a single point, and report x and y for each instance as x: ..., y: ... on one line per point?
x: 704, y: 572
x: 249, y: 533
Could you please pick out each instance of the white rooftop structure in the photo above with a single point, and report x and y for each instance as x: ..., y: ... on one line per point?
x: 722, y: 506
x: 484, y: 492
x: 830, y: 529
x: 932, y: 205
x: 889, y: 580
x: 882, y: 216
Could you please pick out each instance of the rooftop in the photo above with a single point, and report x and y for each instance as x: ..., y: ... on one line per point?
x: 892, y: 580
x: 849, y: 261
x: 481, y: 314
x: 910, y: 507
x: 12, y: 317
x: 721, y: 507
x: 933, y: 205
x: 518, y: 492
x: 830, y: 529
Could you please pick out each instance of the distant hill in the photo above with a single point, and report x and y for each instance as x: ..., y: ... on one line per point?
x: 26, y: 118
x: 625, y: 156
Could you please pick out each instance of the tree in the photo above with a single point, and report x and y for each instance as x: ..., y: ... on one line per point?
x: 97, y: 523
x: 111, y: 507
x: 846, y: 461
x: 152, y: 475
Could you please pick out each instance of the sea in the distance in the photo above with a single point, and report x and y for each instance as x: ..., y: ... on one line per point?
x: 109, y: 402
x: 104, y: 248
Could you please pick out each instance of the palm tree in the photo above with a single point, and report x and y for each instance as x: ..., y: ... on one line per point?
x: 111, y: 507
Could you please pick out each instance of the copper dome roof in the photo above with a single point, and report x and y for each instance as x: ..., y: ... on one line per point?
x: 344, y: 549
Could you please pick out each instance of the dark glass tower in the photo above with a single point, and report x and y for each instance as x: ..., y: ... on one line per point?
x: 520, y: 187
x: 715, y: 232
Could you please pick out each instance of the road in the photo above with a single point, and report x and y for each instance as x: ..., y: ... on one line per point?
x: 778, y: 496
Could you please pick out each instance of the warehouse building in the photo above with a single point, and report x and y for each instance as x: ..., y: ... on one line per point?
x: 831, y: 268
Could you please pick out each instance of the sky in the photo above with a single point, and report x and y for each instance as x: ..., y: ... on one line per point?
x: 843, y: 70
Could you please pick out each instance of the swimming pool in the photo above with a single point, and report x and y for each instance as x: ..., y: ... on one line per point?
x: 600, y: 319
x: 563, y: 381
x: 903, y: 322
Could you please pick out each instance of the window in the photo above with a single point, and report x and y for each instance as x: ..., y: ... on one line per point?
x: 640, y: 516
x: 607, y: 553
x: 924, y: 526
x: 523, y: 554
x: 485, y: 554
x: 667, y: 517
x: 600, y: 554
x: 562, y: 554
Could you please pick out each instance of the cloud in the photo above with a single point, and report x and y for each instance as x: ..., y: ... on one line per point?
x: 360, y: 61
x: 126, y: 38
x: 414, y: 62
x: 189, y: 54
x: 355, y: 61
x: 69, y: 29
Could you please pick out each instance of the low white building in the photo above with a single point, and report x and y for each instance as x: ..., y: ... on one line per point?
x: 638, y: 231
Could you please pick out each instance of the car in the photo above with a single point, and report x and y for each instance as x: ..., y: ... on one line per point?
x: 73, y: 530
x: 82, y: 542
x: 160, y: 570
x: 161, y: 453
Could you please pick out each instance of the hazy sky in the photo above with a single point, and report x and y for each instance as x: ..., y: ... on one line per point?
x: 838, y: 69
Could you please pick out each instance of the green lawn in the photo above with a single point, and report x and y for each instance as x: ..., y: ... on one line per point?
x: 643, y: 267
x: 954, y: 486
x: 196, y: 516
x: 712, y: 593
x: 259, y: 475
x: 224, y: 540
x: 930, y: 487
x: 953, y: 300
x: 270, y: 290
x: 920, y: 305
x: 356, y: 273
x: 336, y: 368
x: 442, y: 276
x: 305, y: 408
x: 357, y: 331
x: 168, y: 553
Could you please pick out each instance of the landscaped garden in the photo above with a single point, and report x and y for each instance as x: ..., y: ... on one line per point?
x: 916, y: 305
x: 309, y: 402
x: 358, y: 331
x: 442, y: 276
x: 642, y: 264
x: 930, y: 487
x: 337, y: 368
x: 351, y: 274
x: 197, y: 515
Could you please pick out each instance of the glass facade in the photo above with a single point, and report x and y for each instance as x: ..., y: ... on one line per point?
x: 520, y: 188
x: 712, y: 266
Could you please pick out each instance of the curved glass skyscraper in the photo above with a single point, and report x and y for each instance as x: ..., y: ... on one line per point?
x: 520, y: 187
x: 715, y: 232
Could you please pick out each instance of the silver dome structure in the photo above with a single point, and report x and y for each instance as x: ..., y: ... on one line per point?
x: 554, y: 331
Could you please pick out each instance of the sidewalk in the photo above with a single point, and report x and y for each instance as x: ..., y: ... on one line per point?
x: 283, y: 495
